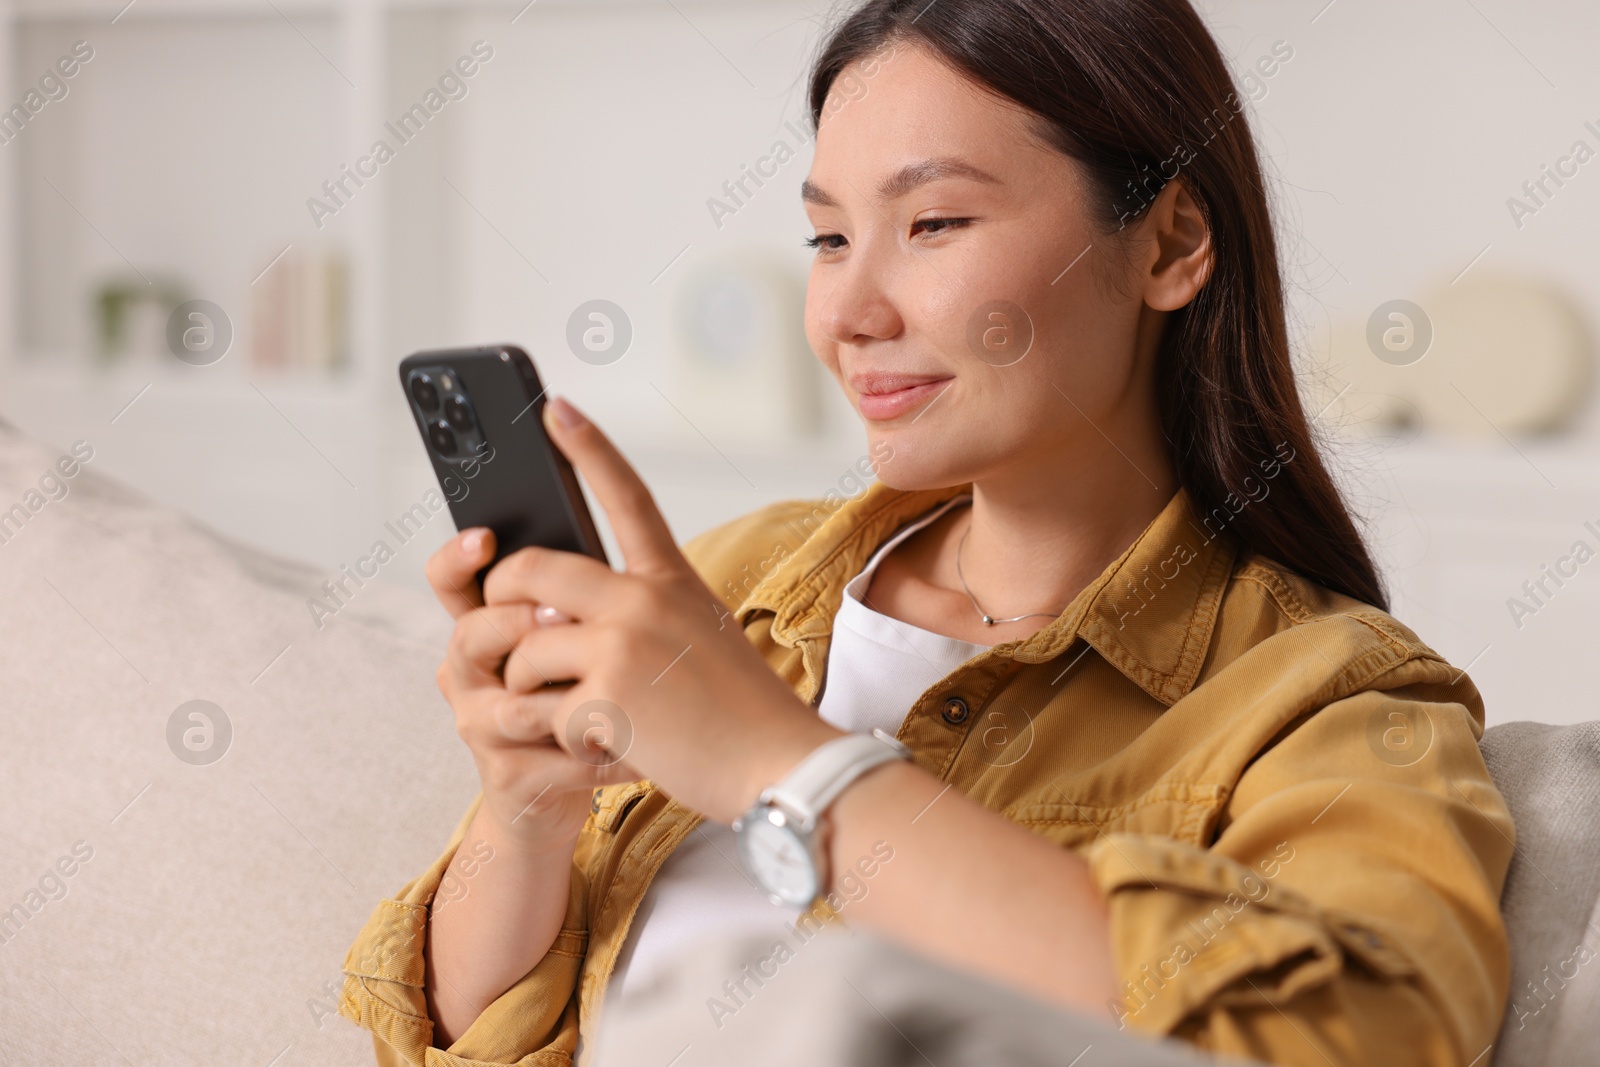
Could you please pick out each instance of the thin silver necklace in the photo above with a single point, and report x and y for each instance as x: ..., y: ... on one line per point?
x: 989, y: 620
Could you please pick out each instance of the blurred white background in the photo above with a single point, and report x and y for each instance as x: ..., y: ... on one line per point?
x: 576, y: 163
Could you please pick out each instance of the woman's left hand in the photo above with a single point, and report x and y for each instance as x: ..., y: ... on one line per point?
x: 665, y: 678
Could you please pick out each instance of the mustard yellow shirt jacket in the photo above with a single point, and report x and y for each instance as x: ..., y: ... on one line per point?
x: 1278, y: 790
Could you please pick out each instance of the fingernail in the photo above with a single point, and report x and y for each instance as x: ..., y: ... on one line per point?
x: 471, y: 542
x: 565, y: 413
x: 545, y: 615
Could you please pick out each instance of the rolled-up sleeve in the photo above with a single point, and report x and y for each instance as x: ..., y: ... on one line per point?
x: 532, y: 1024
x: 1347, y: 910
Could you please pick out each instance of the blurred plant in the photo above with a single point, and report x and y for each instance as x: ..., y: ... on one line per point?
x: 115, y: 302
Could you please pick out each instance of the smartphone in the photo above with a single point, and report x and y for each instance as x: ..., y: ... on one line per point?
x: 480, y: 412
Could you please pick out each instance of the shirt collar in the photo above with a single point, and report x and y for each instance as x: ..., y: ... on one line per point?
x: 1150, y: 613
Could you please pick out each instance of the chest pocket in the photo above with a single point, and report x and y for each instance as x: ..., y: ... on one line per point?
x: 1184, y: 811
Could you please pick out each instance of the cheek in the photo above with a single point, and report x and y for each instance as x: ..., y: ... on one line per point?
x: 987, y: 307
x: 1022, y: 402
x: 944, y: 308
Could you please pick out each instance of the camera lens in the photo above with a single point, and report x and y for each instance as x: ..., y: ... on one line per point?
x: 443, y: 440
x: 423, y: 390
x: 457, y: 412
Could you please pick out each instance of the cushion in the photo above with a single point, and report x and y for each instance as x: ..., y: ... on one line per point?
x: 160, y: 909
x: 1550, y: 776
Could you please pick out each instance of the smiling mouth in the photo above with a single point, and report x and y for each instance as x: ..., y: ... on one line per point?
x: 886, y: 406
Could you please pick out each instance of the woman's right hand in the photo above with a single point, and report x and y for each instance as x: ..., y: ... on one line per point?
x: 538, y: 794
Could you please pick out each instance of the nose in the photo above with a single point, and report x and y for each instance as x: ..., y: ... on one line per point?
x: 857, y: 306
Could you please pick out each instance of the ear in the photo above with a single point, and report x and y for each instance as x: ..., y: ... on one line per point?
x: 1178, y: 252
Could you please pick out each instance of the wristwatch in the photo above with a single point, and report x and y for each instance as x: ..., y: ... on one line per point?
x: 783, y: 838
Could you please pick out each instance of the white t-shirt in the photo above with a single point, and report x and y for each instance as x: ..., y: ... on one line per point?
x: 877, y: 668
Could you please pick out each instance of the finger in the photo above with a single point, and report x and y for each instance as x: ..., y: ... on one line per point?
x: 519, y: 719
x: 578, y: 586
x: 594, y: 732
x: 546, y: 654
x: 451, y: 571
x: 545, y: 615
x: 642, y: 534
x: 484, y: 637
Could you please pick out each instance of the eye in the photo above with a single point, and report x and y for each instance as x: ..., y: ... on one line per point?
x: 820, y: 242
x: 938, y: 225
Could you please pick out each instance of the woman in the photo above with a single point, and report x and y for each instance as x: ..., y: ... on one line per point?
x: 1169, y: 757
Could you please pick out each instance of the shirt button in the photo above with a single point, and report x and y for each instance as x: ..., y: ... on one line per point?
x: 956, y: 711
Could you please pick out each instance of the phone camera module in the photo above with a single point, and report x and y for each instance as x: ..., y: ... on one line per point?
x: 442, y: 438
x: 457, y: 413
x: 424, y: 392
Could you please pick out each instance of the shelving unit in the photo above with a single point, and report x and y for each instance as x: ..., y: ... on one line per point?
x: 160, y: 163
x: 212, y: 85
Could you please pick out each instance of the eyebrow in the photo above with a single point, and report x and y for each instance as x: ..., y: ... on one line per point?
x: 909, y: 177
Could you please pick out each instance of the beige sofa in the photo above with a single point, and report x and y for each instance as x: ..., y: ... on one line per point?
x: 182, y: 890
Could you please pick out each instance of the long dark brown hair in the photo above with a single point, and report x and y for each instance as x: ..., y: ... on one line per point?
x: 1137, y: 93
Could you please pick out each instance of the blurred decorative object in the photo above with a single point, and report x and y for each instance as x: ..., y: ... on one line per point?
x: 739, y: 339
x: 1485, y: 356
x: 130, y: 316
x: 300, y: 311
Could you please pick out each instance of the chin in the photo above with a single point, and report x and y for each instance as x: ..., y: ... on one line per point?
x: 912, y: 464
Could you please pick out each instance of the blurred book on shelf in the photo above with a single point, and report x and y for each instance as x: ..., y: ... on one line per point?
x: 299, y: 312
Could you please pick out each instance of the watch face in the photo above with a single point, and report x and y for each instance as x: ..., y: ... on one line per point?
x: 778, y: 857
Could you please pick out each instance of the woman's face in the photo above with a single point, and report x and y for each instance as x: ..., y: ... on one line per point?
x: 955, y: 295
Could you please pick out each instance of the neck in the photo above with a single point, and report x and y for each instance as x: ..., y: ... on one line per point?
x: 1029, y: 550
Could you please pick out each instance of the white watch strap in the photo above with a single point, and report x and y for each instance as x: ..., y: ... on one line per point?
x: 816, y: 780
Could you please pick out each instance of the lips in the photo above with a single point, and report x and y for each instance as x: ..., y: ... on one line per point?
x: 888, y: 396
